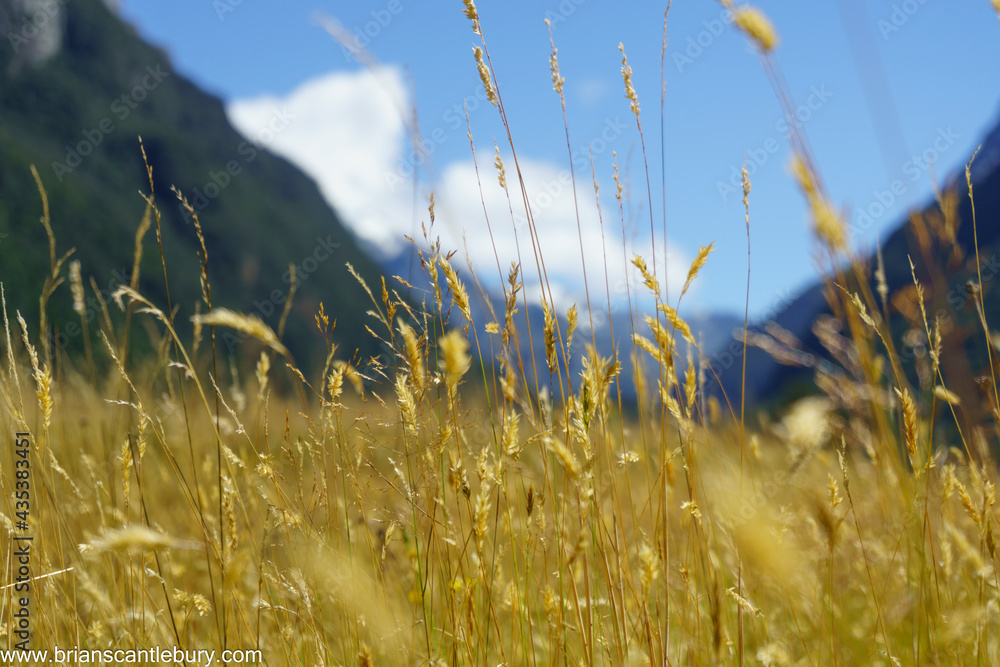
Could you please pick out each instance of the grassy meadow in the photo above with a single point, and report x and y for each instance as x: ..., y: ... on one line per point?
x: 442, y: 505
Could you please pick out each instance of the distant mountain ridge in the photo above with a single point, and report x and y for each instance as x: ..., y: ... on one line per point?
x: 76, y: 107
x: 612, y: 335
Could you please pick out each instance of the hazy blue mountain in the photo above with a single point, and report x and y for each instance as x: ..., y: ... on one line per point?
x: 713, y: 330
x: 943, y: 276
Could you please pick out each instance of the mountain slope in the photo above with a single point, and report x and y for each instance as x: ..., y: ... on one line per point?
x: 76, y: 112
x: 943, y: 274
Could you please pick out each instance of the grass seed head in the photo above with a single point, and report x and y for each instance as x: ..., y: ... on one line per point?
x: 335, y: 383
x: 482, y: 516
x: 648, y: 279
x: 649, y: 566
x: 249, y: 324
x: 572, y: 316
x: 484, y: 76
x: 432, y: 273
x: 557, y: 80
x: 834, y: 491
x: 511, y: 442
x: 508, y: 380
x: 365, y: 656
x: 627, y: 78
x: 802, y: 174
x: 757, y: 26
x: 967, y: 504
x: 407, y: 406
x: 618, y: 180
x: 697, y: 264
x: 42, y: 374
x: 909, y: 423
x: 828, y: 224
x: 133, y: 538
x: 565, y: 456
x: 472, y: 14
x: 76, y: 288
x: 882, y: 286
x: 501, y: 172
x: 676, y: 322
x: 414, y: 356
x: 458, y: 293
x: 456, y: 360
x: 263, y: 366
x: 949, y: 397
x: 550, y: 335
x: 126, y: 468
x: 745, y: 180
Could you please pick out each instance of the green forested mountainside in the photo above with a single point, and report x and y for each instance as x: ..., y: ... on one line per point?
x: 78, y: 117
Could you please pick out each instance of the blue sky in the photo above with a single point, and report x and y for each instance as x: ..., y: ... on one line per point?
x: 877, y: 83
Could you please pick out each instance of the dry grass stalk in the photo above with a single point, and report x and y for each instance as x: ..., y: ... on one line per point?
x: 376, y: 548
x: 699, y: 261
x: 458, y: 292
x: 909, y: 410
x: 484, y: 76
x: 248, y: 324
x: 43, y: 378
x: 414, y: 357
x: 630, y: 93
x: 456, y: 360
x: 549, y: 331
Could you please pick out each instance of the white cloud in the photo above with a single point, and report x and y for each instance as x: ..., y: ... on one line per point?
x: 556, y: 233
x: 346, y: 132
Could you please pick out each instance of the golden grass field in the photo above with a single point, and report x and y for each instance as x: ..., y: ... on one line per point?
x: 437, y: 508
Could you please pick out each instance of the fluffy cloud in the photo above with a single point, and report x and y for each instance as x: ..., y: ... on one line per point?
x: 345, y: 130
x: 564, y: 249
x: 347, y: 133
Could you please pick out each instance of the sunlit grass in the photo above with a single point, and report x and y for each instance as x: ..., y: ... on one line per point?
x: 461, y: 502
